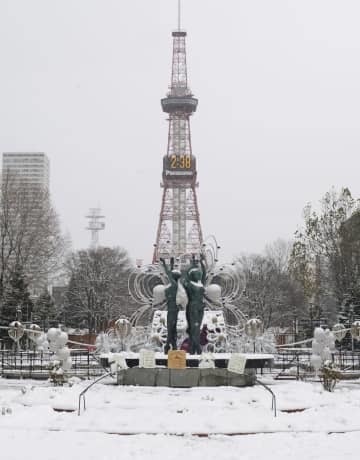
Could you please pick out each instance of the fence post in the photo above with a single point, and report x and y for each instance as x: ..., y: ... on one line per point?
x: 88, y: 364
x: 297, y: 366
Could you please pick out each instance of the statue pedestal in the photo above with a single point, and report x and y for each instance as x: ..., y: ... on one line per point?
x: 184, y: 378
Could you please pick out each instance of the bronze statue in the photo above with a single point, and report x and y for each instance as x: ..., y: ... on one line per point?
x: 172, y: 307
x: 194, y: 285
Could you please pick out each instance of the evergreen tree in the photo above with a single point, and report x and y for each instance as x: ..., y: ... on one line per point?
x: 97, y: 292
x: 17, y: 302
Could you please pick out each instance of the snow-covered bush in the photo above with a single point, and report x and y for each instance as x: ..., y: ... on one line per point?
x: 323, y: 345
x: 330, y: 376
x: 61, y: 360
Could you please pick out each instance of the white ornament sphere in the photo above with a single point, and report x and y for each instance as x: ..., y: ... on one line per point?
x: 16, y: 330
x: 66, y: 365
x: 316, y: 361
x: 34, y: 335
x: 62, y: 339
x: 63, y: 353
x: 213, y: 292
x: 159, y: 294
x: 52, y: 333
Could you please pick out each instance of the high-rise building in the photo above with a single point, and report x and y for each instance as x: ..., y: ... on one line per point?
x: 30, y: 167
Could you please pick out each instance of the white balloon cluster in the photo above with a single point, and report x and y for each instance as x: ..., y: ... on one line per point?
x: 323, y: 345
x: 57, y: 344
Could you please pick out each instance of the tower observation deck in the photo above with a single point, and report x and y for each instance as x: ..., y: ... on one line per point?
x: 179, y: 231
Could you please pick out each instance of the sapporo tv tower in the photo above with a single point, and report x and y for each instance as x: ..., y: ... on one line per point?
x: 179, y: 230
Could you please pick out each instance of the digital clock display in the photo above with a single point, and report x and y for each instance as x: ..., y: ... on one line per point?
x: 180, y: 162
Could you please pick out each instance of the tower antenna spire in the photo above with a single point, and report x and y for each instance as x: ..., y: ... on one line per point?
x: 179, y: 15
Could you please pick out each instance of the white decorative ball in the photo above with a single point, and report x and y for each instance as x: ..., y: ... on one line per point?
x: 159, y: 294
x: 34, y: 335
x: 63, y: 353
x: 52, y: 333
x: 316, y: 362
x: 66, y: 365
x: 62, y: 339
x: 16, y: 330
x: 213, y: 291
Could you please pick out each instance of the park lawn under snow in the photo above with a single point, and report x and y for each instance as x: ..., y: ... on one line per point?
x: 326, y: 426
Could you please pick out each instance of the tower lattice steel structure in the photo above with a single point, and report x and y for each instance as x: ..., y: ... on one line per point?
x: 179, y: 230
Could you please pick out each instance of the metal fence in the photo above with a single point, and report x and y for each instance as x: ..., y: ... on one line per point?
x: 298, y: 363
x: 36, y: 365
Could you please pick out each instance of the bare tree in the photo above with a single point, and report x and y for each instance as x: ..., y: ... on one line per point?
x: 322, y: 256
x: 271, y: 294
x: 278, y: 253
x: 30, y: 236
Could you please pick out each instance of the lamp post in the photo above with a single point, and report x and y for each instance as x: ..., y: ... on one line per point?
x: 311, y: 314
x: 295, y: 327
x: 18, y: 313
x: 351, y: 312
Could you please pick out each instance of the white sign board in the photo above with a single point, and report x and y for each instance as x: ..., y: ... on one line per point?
x: 147, y: 359
x: 237, y: 363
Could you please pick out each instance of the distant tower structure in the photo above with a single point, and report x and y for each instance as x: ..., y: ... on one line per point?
x: 95, y: 225
x: 179, y: 230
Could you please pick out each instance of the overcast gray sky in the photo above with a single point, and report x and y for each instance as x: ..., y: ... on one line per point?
x: 277, y: 124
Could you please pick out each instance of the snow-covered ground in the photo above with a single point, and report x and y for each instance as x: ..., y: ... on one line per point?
x: 152, y: 423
